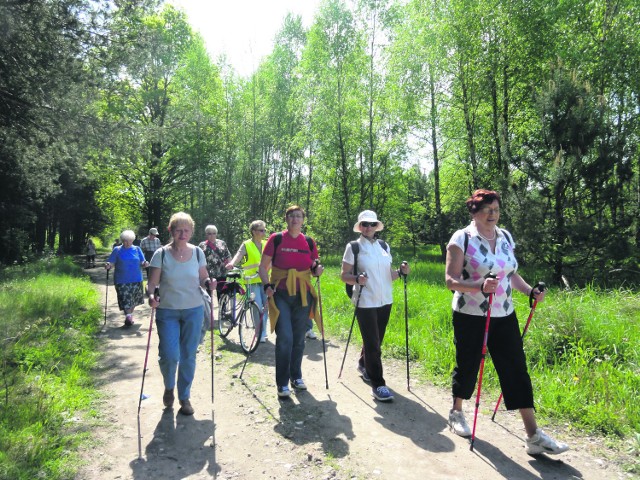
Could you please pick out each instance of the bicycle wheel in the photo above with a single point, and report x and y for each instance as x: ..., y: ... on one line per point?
x: 250, y: 326
x: 225, y: 315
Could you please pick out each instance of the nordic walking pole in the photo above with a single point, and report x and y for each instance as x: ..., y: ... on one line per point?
x: 211, y: 323
x: 324, y: 348
x: 484, y: 354
x: 146, y: 355
x: 351, y: 329
x: 406, y: 323
x: 144, y: 370
x: 106, y: 296
x: 532, y: 304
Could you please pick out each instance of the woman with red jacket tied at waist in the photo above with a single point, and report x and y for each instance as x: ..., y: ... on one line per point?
x: 293, y: 259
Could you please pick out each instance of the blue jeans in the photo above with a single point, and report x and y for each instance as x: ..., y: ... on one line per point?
x: 290, y: 329
x: 179, y: 334
x: 261, y: 301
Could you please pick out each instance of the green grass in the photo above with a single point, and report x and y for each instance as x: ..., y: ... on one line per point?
x: 583, y: 346
x: 50, y: 315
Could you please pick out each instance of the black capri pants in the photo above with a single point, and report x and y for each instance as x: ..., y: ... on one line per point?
x: 505, y: 346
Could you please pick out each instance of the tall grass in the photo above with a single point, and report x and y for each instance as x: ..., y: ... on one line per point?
x: 583, y: 346
x: 48, y: 346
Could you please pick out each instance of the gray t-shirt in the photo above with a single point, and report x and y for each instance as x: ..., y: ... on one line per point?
x: 179, y: 281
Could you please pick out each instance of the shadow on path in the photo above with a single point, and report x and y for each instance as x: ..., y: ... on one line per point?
x: 171, y: 453
x: 313, y: 421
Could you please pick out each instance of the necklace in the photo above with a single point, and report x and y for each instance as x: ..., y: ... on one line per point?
x: 181, y: 255
x: 488, y: 239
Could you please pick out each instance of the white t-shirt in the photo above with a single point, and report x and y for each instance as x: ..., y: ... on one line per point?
x: 478, y: 262
x: 179, y: 281
x: 376, y: 262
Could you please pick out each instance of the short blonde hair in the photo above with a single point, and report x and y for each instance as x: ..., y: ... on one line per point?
x: 211, y: 229
x: 181, y: 218
x: 256, y: 224
x: 127, y: 235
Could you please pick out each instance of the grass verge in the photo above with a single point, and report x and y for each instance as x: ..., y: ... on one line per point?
x: 50, y: 314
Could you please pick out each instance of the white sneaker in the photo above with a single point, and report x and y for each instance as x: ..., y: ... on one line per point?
x: 543, y: 443
x: 311, y: 334
x: 458, y: 423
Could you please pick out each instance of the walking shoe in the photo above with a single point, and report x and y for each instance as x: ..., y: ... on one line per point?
x: 311, y: 334
x: 128, y: 320
x: 363, y: 373
x: 284, y: 391
x: 168, y: 398
x: 458, y: 424
x: 382, y: 393
x: 185, y: 407
x: 298, y: 384
x: 543, y: 443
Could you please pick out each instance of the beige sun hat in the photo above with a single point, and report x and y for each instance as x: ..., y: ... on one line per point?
x: 368, y: 216
x: 153, y: 231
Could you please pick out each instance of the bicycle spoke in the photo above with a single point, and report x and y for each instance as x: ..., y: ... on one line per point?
x: 250, y: 326
x: 225, y: 315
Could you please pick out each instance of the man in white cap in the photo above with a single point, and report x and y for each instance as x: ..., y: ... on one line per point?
x: 150, y: 244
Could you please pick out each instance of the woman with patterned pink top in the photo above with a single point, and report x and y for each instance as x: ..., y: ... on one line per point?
x: 480, y: 249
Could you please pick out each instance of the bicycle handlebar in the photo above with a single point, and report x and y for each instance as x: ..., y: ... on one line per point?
x: 238, y: 272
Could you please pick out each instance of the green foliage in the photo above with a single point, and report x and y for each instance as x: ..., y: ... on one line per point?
x: 48, y: 352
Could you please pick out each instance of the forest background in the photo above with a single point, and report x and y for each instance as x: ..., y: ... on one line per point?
x: 112, y: 116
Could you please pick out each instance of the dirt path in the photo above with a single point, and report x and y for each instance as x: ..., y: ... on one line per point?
x: 335, y: 433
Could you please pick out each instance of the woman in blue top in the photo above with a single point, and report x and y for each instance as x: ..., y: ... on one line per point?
x: 127, y: 278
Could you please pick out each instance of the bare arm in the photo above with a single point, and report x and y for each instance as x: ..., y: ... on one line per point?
x: 152, y: 284
x: 263, y: 271
x: 347, y: 276
x: 237, y: 257
x: 518, y: 283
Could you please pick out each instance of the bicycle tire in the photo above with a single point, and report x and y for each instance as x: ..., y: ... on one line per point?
x: 250, y: 328
x: 225, y: 315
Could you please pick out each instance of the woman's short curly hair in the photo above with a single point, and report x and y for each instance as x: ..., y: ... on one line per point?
x: 482, y: 197
x: 128, y: 235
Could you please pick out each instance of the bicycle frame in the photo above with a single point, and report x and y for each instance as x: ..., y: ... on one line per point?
x: 233, y: 311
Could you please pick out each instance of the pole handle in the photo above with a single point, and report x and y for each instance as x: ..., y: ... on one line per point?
x: 541, y: 288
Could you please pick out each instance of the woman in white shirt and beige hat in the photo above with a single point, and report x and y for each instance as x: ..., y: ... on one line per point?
x: 372, y: 295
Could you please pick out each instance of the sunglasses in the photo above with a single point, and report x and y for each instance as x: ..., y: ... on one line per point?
x: 258, y: 230
x: 369, y: 224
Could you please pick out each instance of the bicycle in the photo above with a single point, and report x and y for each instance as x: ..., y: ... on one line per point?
x: 243, y: 312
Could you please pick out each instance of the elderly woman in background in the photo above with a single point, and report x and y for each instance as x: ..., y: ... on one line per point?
x: 374, y: 303
x: 179, y: 269
x: 127, y: 260
x: 480, y: 249
x: 292, y: 297
x: 217, y: 255
x: 91, y: 253
x: 251, y: 251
